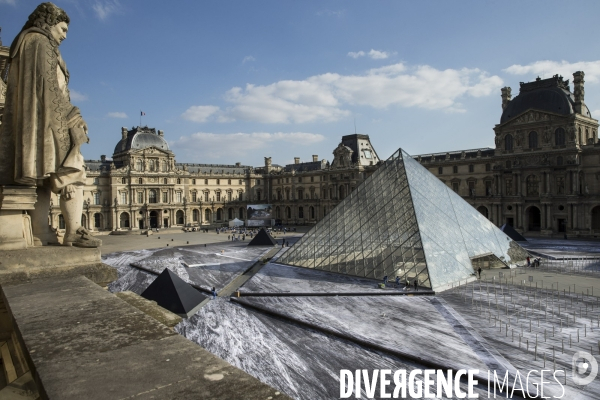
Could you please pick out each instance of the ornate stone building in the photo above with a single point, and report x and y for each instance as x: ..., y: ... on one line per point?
x: 143, y: 186
x: 543, y: 176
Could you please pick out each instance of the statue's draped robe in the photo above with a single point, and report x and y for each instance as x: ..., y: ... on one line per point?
x: 39, y: 120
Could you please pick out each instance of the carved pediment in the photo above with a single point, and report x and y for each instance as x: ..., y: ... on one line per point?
x: 529, y: 117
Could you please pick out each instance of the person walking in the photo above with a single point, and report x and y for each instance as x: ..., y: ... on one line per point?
x: 416, y: 283
x: 214, y: 293
x: 528, y: 262
x: 479, y: 270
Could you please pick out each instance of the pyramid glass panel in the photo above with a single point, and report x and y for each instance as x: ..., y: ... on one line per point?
x: 403, y: 221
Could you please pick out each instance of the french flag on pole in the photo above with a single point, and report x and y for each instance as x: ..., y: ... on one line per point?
x: 142, y: 113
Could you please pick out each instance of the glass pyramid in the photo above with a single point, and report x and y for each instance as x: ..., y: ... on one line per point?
x: 403, y: 221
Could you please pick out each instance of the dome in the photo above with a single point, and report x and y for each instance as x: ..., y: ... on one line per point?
x: 552, y: 95
x: 141, y: 138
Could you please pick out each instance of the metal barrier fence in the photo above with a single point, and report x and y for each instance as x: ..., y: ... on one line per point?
x: 571, y: 265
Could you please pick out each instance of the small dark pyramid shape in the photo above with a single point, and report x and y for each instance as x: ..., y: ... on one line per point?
x: 263, y: 238
x: 173, y: 293
x: 511, y: 233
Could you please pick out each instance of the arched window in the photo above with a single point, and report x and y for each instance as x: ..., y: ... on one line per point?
x: 179, y: 181
x: 287, y: 193
x: 152, y: 196
x: 124, y: 220
x: 179, y: 217
x: 241, y: 213
x: 61, y: 222
x: 533, y: 187
x: 230, y: 213
x: 300, y: 194
x: 533, y: 140
x: 508, y: 142
x: 219, y: 214
x: 164, y: 166
x: 288, y: 212
x: 207, y: 215
x: 140, y: 181
x: 123, y: 181
x: 300, y: 212
x: 195, y: 215
x: 206, y: 196
x: 139, y: 165
x: 559, y: 137
x: 98, y: 220
x: 312, y: 212
x: 277, y: 213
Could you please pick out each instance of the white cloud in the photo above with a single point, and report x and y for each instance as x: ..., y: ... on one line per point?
x: 356, y: 54
x: 76, y: 96
x: 247, y: 59
x: 116, y: 114
x: 548, y: 68
x: 378, y: 55
x: 210, y: 145
x: 105, y: 8
x: 325, y: 97
x: 331, y: 13
x: 11, y: 2
x: 199, y: 113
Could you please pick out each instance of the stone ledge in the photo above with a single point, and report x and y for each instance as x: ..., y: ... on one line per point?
x: 150, y: 308
x: 82, y: 342
x: 19, y: 266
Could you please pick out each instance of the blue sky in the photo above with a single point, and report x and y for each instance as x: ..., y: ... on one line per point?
x: 236, y: 81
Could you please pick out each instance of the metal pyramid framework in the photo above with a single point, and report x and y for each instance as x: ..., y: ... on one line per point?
x: 403, y: 221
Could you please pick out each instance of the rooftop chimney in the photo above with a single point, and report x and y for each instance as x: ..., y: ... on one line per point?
x: 103, y: 158
x: 238, y: 164
x: 267, y: 161
x: 506, y: 96
x: 315, y: 158
x: 123, y: 133
x: 161, y: 133
x: 578, y: 90
x: 296, y: 160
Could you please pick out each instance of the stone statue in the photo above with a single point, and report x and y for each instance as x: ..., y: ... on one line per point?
x: 42, y: 129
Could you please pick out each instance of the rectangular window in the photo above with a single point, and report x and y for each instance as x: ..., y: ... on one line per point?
x: 140, y: 198
x: 96, y: 181
x: 218, y: 196
x: 258, y: 181
x: 229, y: 196
x: 299, y: 179
x: 178, y: 197
x: 471, y: 168
x: 123, y: 197
x: 194, y: 197
x: 97, y: 198
x: 165, y: 197
x: 455, y: 186
x: 205, y: 196
x: 472, y: 188
x: 440, y: 170
x: 240, y: 182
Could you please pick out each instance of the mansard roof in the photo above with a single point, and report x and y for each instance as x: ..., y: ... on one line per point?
x: 141, y: 138
x: 552, y: 95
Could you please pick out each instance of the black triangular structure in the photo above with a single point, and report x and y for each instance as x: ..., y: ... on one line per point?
x: 511, y: 233
x: 173, y: 293
x: 263, y: 238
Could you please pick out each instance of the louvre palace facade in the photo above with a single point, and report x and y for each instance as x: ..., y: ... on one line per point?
x: 543, y: 175
x: 142, y: 186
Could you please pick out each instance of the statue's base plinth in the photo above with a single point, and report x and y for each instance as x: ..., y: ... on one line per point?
x: 53, y: 261
x: 15, y: 223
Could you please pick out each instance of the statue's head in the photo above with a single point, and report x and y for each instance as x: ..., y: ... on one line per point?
x: 50, y: 18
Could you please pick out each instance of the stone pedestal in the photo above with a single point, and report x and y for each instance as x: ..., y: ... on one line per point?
x: 15, y: 223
